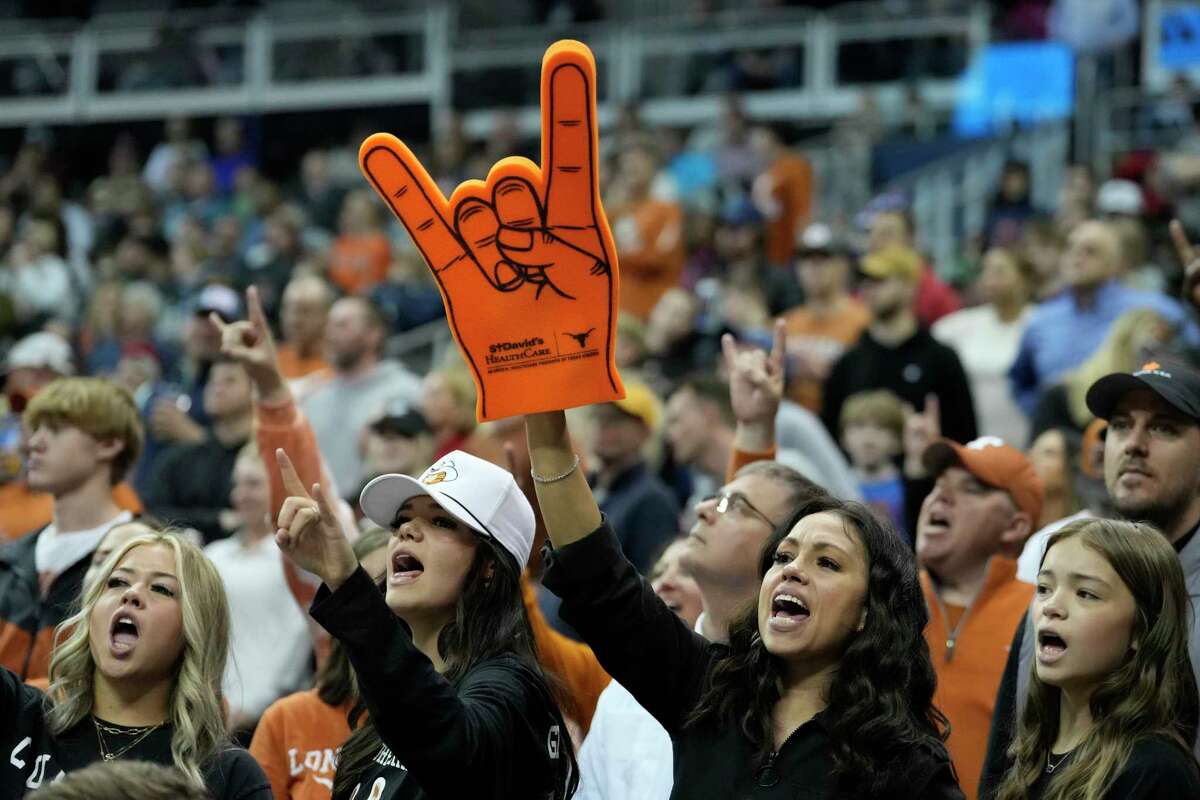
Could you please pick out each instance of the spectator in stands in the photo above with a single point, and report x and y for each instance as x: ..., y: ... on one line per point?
x: 38, y: 281
x: 1042, y: 245
x: 1151, y: 464
x: 450, y: 643
x: 1063, y: 331
x: 740, y: 264
x: 270, y: 264
x: 986, y: 338
x: 83, y: 434
x: 190, y: 484
x: 317, y: 191
x: 1055, y: 456
x: 983, y: 506
x: 647, y: 231
x: 118, y: 780
x: 298, y: 738
x: 231, y: 154
x: 676, y: 345
x: 448, y: 404
x: 304, y: 314
x: 269, y: 646
x: 32, y: 363
x: 1011, y: 207
x: 829, y: 321
x: 361, y: 384
x: 175, y: 151
x: 640, y: 508
x: 1135, y: 338
x: 135, y: 675
x: 399, y: 442
x: 700, y: 426
x: 872, y: 425
x: 736, y: 715
x: 896, y: 353
x: 934, y: 299
x: 361, y: 253
x: 783, y: 193
x: 626, y: 752
x: 1112, y: 609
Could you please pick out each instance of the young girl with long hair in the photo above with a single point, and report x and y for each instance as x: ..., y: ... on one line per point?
x: 1112, y: 709
x: 136, y: 674
x: 444, y: 657
x: 826, y: 686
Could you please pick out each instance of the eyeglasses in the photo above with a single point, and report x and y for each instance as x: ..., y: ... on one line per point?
x: 731, y: 500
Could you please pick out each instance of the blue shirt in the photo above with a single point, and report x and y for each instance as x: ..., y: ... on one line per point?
x: 1061, y: 335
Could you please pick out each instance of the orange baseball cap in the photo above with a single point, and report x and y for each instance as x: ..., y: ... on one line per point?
x: 997, y: 464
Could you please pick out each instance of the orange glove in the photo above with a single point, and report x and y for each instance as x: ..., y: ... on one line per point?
x: 525, y: 261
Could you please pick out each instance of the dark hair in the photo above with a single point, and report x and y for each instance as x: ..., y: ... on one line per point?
x: 800, y: 489
x: 708, y: 389
x: 880, y: 702
x: 489, y: 621
x: 335, y: 679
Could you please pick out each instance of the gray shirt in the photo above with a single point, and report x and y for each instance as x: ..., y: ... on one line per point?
x: 342, y: 408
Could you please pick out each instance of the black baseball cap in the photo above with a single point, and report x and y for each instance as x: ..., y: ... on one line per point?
x: 400, y: 419
x: 1175, y: 383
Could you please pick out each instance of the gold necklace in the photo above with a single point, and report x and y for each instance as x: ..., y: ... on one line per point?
x: 108, y: 755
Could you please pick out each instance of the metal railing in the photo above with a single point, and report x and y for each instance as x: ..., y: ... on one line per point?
x: 951, y: 196
x: 113, y: 68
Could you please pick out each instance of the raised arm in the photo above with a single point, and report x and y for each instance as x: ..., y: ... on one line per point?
x: 756, y: 380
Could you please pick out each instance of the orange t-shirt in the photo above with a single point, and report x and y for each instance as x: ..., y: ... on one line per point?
x: 294, y: 366
x: 820, y: 341
x: 650, y: 253
x: 296, y: 744
x: 359, y: 261
x: 791, y: 179
x: 23, y: 511
x: 967, y: 683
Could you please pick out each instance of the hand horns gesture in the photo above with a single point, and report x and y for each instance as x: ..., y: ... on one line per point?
x: 524, y: 260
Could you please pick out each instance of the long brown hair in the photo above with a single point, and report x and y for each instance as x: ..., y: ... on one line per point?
x: 1152, y: 694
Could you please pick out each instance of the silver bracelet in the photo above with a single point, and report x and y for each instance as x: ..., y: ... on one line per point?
x: 555, y: 479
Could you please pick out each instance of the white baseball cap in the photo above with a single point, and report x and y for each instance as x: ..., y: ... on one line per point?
x: 477, y: 493
x: 41, y: 350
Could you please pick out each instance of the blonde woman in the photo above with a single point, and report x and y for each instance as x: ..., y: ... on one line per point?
x: 136, y: 675
x: 1132, y: 340
x: 1113, y: 706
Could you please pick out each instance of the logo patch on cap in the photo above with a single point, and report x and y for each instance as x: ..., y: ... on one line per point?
x: 984, y: 442
x: 1153, y: 368
x: 441, y: 472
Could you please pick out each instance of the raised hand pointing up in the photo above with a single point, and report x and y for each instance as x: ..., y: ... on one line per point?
x: 524, y: 260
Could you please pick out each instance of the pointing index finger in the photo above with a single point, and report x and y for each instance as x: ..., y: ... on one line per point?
x: 569, y: 134
x: 291, y: 480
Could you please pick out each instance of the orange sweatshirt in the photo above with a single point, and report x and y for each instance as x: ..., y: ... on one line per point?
x: 968, y: 677
x: 296, y: 744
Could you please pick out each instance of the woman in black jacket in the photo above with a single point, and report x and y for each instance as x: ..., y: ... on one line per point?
x: 444, y: 657
x: 825, y: 689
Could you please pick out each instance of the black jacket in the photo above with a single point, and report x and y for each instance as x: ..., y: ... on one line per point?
x: 918, y: 367
x: 495, y: 734
x: 190, y: 486
x: 32, y: 755
x: 27, y: 619
x: 665, y: 666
